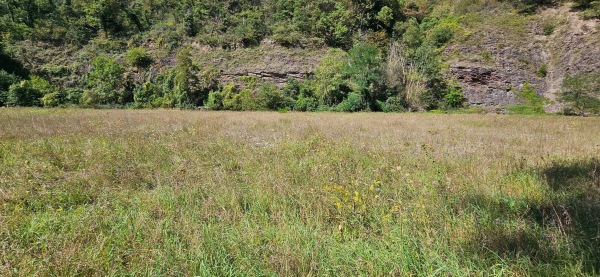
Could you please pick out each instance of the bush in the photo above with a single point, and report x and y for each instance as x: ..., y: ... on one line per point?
x: 330, y: 84
x: 73, y: 95
x: 52, y: 99
x: 270, y: 97
x: 138, y: 57
x: 105, y: 83
x: 292, y: 89
x: 147, y: 95
x: 242, y: 101
x: 215, y: 100
x: 393, y: 104
x: 287, y: 34
x: 533, y: 104
x: 23, y: 94
x: 52, y: 96
x: 306, y: 104
x: 6, y: 80
x: 593, y: 10
x: 440, y: 35
x: 453, y: 98
x: 581, y: 91
x: 542, y: 71
x: 353, y: 103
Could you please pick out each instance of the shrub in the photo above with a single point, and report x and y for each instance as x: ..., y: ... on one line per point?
x: 353, y: 103
x: 581, y: 91
x: 453, y: 98
x: 147, y: 95
x: 292, y: 88
x: 533, y: 104
x: 138, y: 57
x: 593, y: 10
x: 270, y: 97
x: 306, y: 104
x: 330, y: 85
x: 393, y: 104
x: 52, y: 95
x: 52, y: 99
x: 287, y: 34
x: 73, y: 95
x: 440, y: 35
x: 105, y: 83
x: 215, y: 100
x: 548, y: 28
x: 385, y: 16
x: 6, y: 80
x: 542, y: 71
x: 23, y: 94
x: 242, y: 101
x: 247, y: 100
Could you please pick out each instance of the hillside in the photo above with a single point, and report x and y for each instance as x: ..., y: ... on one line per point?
x: 303, y: 55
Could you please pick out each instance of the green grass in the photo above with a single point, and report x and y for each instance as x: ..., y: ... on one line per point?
x: 117, y: 192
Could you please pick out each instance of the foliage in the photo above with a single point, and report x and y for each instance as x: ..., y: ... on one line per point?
x: 6, y: 80
x: 106, y: 85
x: 138, y: 57
x: 387, y: 52
x: 363, y: 71
x: 582, y: 92
x: 330, y: 83
x: 393, y: 104
x: 23, y: 94
x: 270, y: 97
x: 353, y: 103
x: 532, y: 103
x: 148, y: 95
x: 542, y: 71
x: 454, y: 97
x: 215, y: 100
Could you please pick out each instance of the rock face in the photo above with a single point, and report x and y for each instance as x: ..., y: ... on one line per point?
x: 278, y: 78
x: 484, y: 86
x: 494, y: 64
x: 269, y: 62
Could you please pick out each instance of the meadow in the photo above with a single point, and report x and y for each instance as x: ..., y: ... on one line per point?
x: 169, y: 192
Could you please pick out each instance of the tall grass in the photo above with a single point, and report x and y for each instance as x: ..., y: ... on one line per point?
x: 97, y: 192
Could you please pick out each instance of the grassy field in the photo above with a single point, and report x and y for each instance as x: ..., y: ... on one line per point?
x: 103, y: 192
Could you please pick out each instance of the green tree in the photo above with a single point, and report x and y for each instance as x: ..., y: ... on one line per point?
x: 6, y: 80
x: 363, y: 70
x: 187, y: 90
x: 106, y: 85
x: 330, y: 83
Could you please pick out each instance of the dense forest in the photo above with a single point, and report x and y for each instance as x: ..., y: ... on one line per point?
x: 383, y: 55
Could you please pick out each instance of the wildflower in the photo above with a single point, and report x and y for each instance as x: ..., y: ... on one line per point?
x: 357, y: 198
x: 60, y: 209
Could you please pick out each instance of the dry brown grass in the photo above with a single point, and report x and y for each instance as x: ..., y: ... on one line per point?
x: 99, y: 192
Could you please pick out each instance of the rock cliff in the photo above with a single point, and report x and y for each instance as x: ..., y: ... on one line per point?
x: 494, y: 63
